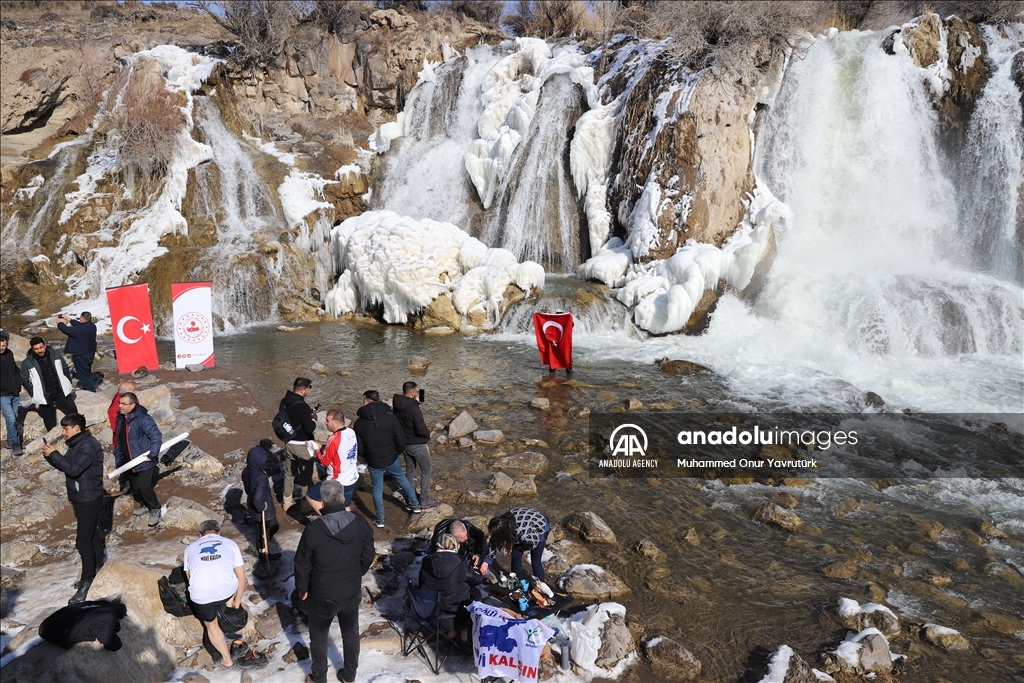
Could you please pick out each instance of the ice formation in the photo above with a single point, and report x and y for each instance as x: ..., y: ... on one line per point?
x: 404, y: 264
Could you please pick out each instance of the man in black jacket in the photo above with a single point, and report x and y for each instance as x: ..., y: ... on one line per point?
x: 298, y: 466
x: 333, y: 554
x: 260, y: 464
x: 82, y: 465
x: 81, y: 346
x: 406, y: 407
x: 45, y: 375
x: 383, y: 439
x: 10, y: 388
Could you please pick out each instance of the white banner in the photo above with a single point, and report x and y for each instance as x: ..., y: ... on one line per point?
x: 504, y: 646
x: 193, y: 323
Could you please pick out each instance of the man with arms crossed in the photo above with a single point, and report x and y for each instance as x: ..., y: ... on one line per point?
x: 334, y: 553
x: 298, y: 466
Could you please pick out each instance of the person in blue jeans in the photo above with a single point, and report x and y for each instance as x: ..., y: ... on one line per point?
x: 10, y: 387
x: 517, y: 531
x: 383, y: 440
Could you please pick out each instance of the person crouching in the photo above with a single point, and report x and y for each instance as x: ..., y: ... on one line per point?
x: 260, y: 463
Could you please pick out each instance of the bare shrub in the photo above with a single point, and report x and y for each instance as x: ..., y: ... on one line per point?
x: 262, y: 26
x: 981, y: 10
x: 144, y: 122
x: 484, y: 11
x: 326, y: 13
x: 551, y: 18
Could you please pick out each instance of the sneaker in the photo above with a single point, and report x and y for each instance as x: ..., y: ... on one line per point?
x: 17, y: 450
x: 140, y: 511
x: 379, y: 523
x: 428, y: 503
x: 252, y: 660
x: 154, y: 517
x: 81, y: 594
x: 414, y: 509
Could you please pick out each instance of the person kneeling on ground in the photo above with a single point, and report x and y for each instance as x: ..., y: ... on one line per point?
x: 260, y: 463
x: 472, y: 543
x: 334, y: 553
x: 82, y: 466
x: 445, y: 572
x: 216, y: 579
x: 519, y: 530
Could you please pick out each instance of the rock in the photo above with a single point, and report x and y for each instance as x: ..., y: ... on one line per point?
x: 208, y: 466
x: 691, y: 536
x: 185, y: 514
x: 501, y: 483
x: 786, y: 500
x: 418, y: 364
x: 489, y: 436
x: 771, y: 513
x: 319, y: 368
x: 874, y: 653
x: 681, y: 367
x: 633, y: 404
x: 671, y: 661
x: 649, y: 550
x: 382, y: 637
x: 590, y: 528
x: 540, y: 403
x: 947, y: 638
x: 791, y: 666
x: 195, y: 367
x: 430, y: 518
x: 465, y: 442
x: 527, y: 461
x: 986, y: 528
x: 523, y: 488
x: 197, y: 678
x: 17, y: 553
x: 859, y: 617
x: 1004, y: 572
x: 616, y: 642
x: 588, y: 582
x: 461, y: 426
x: 272, y: 620
x: 157, y: 400
x: 874, y: 400
x: 930, y: 529
x: 486, y: 497
x: 289, y: 328
x: 439, y: 315
x: 840, y: 569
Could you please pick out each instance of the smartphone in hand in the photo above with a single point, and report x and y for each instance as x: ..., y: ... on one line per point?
x: 423, y: 395
x: 45, y: 442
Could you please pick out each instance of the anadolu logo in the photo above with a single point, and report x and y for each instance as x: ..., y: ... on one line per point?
x: 631, y: 443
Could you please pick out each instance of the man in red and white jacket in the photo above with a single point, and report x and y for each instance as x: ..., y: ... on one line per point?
x: 339, y: 457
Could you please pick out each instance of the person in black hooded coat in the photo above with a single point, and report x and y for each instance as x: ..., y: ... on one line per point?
x: 445, y: 572
x: 260, y: 464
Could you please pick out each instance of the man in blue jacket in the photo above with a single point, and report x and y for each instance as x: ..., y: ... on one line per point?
x: 260, y: 464
x: 82, y: 466
x: 136, y: 433
x: 81, y: 346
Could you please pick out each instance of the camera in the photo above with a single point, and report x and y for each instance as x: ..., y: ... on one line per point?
x: 316, y: 408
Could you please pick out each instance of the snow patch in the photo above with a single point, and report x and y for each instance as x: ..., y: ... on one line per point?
x: 298, y: 194
x: 778, y: 665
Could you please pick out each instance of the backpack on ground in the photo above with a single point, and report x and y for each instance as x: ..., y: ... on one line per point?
x: 282, y: 426
x: 172, y: 593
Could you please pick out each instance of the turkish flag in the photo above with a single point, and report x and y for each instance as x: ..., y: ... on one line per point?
x: 554, y: 339
x: 131, y: 319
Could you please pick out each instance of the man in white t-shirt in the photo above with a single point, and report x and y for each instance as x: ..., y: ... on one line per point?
x: 339, y: 457
x: 216, y: 579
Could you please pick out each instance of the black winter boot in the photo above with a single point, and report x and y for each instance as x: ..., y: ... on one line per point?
x: 82, y: 594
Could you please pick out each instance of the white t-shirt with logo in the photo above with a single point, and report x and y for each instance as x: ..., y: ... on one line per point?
x: 210, y: 563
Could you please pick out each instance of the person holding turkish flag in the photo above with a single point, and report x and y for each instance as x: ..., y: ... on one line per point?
x: 554, y: 339
x: 131, y: 318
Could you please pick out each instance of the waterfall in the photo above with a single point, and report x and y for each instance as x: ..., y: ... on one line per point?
x: 592, y: 310
x: 535, y: 214
x: 852, y: 147
x: 990, y: 183
x: 231, y: 195
x: 425, y: 177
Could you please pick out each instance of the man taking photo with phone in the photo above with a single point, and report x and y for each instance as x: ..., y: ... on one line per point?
x: 406, y: 407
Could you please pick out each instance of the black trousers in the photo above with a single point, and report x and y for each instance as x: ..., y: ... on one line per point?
x: 90, y: 537
x: 141, y: 485
x: 321, y: 614
x: 48, y: 411
x: 83, y: 370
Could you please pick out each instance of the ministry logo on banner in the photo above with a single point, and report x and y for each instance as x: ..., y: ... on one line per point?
x: 193, y: 329
x: 504, y: 646
x: 131, y: 318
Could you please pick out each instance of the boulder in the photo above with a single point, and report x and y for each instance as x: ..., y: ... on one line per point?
x: 430, y: 518
x: 588, y: 582
x: 185, y: 514
x: 418, y: 364
x: 487, y: 497
x: 527, y: 461
x: 680, y: 367
x: 540, y: 403
x: 208, y: 466
x: 633, y: 404
x: 650, y: 551
x: 319, y: 368
x: 591, y: 528
x: 501, y: 483
x: 947, y: 638
x: 465, y: 442
x: 439, y: 315
x: 523, y: 488
x: 195, y: 367
x: 785, y: 666
x: 840, y: 569
x: 670, y: 661
x: 859, y: 617
x: 461, y: 426
x: 874, y: 653
x: 616, y: 642
x: 17, y: 553
x: 489, y: 436
x: 157, y: 401
x: 772, y: 513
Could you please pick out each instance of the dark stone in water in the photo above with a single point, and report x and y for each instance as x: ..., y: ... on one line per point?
x: 874, y: 400
x: 681, y: 367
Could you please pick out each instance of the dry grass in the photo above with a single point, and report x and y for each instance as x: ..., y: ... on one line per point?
x: 144, y: 121
x: 262, y: 26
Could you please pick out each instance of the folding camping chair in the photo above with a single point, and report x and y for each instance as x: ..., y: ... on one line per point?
x: 425, y: 627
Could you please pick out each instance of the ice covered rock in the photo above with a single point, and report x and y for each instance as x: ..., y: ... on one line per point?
x: 591, y: 528
x: 785, y: 666
x: 947, y: 638
x: 670, y: 661
x: 857, y: 617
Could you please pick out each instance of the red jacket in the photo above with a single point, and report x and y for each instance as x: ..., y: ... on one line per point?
x: 112, y: 412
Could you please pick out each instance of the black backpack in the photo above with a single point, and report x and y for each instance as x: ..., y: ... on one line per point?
x: 282, y: 426
x: 172, y: 593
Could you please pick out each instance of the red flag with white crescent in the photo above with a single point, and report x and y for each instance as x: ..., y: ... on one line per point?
x: 131, y: 320
x: 554, y: 339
